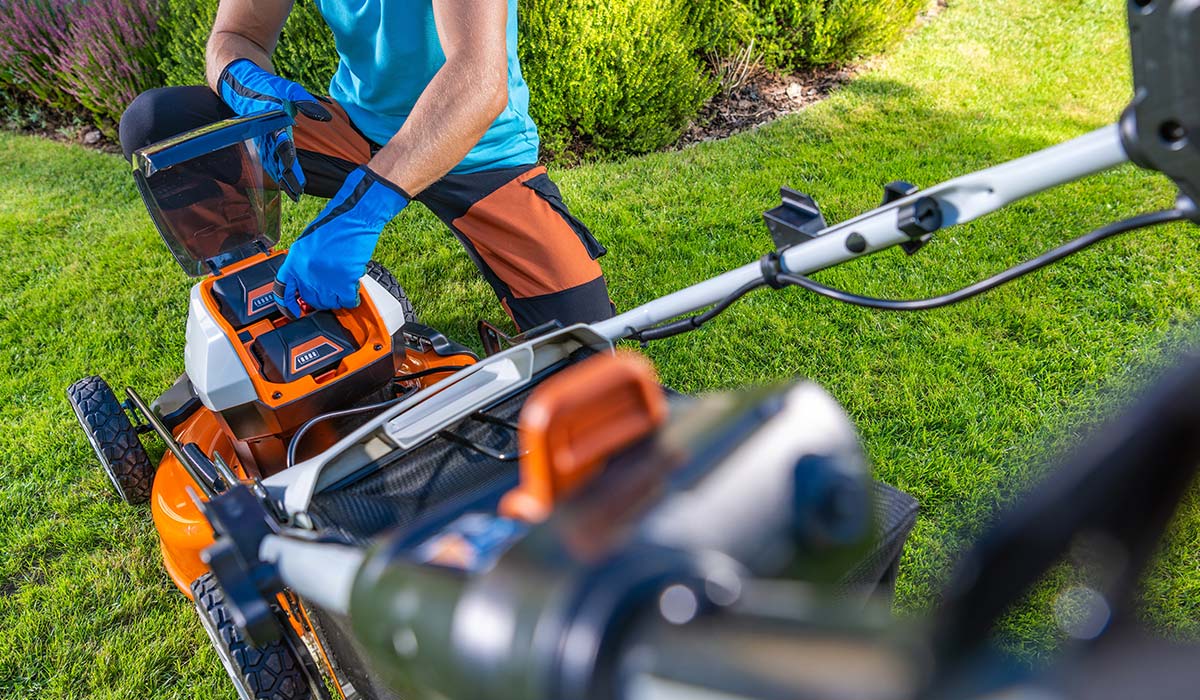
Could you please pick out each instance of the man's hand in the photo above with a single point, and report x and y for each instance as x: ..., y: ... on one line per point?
x: 324, y: 265
x: 248, y: 89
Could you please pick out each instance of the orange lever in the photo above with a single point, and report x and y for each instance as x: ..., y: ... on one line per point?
x: 574, y: 422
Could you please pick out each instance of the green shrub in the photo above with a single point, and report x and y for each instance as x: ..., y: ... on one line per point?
x: 723, y: 26
x: 305, y: 52
x: 185, y: 25
x: 796, y: 34
x: 618, y: 76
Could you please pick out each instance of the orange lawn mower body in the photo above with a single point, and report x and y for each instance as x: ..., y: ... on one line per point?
x: 253, y: 440
x: 256, y: 381
x: 297, y: 445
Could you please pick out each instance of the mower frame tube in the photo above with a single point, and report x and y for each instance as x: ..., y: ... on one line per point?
x: 319, y: 572
x: 959, y: 200
x: 185, y: 460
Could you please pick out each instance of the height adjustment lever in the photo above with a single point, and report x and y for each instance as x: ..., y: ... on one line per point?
x: 918, y: 219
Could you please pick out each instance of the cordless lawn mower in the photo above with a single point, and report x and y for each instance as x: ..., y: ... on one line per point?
x: 362, y: 508
x: 265, y: 397
x: 255, y: 380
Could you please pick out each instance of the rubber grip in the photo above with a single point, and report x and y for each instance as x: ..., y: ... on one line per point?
x: 313, y: 110
x: 279, y: 289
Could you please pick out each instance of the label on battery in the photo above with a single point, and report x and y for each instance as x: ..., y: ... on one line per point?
x: 259, y: 299
x: 313, y: 351
x: 474, y: 542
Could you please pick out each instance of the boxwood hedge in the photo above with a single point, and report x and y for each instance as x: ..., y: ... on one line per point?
x: 606, y: 76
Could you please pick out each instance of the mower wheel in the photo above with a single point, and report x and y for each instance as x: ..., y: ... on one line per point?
x: 388, y: 281
x: 113, y: 437
x: 268, y: 672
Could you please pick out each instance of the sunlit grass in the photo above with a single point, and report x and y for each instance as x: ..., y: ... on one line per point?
x: 961, y: 407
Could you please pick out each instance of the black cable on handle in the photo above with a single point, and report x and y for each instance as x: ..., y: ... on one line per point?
x: 444, y: 369
x: 1012, y: 273
x: 294, y: 444
x: 776, y: 279
x: 691, y: 323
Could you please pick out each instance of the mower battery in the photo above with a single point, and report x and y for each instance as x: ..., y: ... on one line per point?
x: 309, y: 345
x: 244, y: 297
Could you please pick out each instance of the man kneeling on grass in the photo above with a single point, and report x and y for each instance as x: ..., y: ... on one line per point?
x: 427, y: 103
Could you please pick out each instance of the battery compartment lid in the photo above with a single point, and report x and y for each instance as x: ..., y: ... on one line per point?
x: 208, y: 193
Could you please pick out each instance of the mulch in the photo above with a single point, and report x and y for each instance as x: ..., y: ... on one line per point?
x: 763, y: 98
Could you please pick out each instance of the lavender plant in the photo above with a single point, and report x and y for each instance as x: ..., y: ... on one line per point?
x: 80, y: 55
x: 32, y: 32
x: 109, y: 56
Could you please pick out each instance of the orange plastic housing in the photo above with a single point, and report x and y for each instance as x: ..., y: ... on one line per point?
x: 362, y: 322
x: 182, y: 529
x: 574, y: 422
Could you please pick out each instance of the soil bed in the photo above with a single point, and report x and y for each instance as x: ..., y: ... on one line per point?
x: 764, y: 97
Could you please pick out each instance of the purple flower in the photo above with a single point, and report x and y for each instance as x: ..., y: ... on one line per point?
x: 91, y: 54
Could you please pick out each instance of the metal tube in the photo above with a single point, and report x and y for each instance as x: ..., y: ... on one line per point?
x: 172, y: 444
x: 961, y: 200
x: 319, y: 572
x: 224, y: 470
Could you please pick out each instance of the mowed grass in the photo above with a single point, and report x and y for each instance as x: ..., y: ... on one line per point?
x: 962, y: 407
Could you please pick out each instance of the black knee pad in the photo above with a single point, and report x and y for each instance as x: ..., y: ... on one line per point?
x: 137, y: 122
x: 161, y: 113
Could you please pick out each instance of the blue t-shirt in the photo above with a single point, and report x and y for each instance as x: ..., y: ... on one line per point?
x: 389, y: 51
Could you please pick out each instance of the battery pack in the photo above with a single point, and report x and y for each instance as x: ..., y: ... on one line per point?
x: 245, y: 296
x: 306, y: 346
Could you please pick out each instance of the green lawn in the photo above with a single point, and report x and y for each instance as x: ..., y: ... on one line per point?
x: 960, y: 407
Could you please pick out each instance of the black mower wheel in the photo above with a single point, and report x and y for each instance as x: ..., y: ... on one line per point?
x: 269, y: 672
x: 113, y: 438
x: 388, y: 281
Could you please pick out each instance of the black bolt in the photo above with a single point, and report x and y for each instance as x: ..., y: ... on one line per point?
x: 920, y: 218
x: 277, y: 395
x: 378, y: 347
x: 1173, y: 132
x: 855, y: 243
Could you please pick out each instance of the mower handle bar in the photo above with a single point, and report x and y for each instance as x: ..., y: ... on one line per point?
x: 1123, y: 483
x: 960, y: 200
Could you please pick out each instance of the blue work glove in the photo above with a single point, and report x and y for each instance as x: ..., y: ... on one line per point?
x: 324, y: 265
x: 248, y: 89
x: 277, y: 151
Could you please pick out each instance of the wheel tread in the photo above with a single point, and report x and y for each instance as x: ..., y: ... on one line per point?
x: 391, y: 285
x: 271, y: 671
x: 115, y: 436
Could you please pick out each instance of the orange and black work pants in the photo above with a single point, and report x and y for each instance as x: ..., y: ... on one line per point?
x: 539, y: 259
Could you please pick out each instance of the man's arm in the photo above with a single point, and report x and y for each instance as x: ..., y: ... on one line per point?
x: 461, y: 101
x: 244, y: 29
